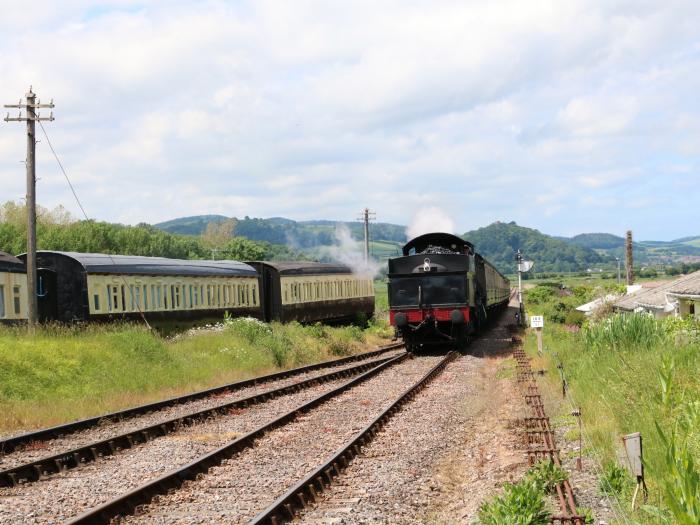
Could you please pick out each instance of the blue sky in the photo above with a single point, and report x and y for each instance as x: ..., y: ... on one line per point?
x: 566, y: 116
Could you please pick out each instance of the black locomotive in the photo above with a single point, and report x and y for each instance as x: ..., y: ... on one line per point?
x: 441, y: 291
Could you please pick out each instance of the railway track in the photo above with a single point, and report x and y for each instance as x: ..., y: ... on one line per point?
x: 87, y: 451
x: 13, y: 443
x: 250, y: 470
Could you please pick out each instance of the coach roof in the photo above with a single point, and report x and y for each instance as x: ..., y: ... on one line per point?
x: 8, y: 263
x: 137, y: 265
x: 305, y: 267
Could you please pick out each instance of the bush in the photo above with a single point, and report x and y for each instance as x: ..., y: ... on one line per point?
x: 615, y: 480
x: 574, y: 317
x: 520, y: 504
x: 546, y: 475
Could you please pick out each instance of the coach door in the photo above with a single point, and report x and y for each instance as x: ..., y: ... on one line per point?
x: 46, y: 295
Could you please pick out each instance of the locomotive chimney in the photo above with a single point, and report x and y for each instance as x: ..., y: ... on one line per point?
x: 629, y: 262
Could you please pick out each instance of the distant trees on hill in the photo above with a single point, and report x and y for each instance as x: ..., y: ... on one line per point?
x: 500, y: 241
x: 58, y: 230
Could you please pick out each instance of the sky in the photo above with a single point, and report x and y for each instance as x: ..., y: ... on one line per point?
x: 565, y: 116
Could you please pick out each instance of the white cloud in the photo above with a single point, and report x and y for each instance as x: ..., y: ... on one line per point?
x: 313, y: 109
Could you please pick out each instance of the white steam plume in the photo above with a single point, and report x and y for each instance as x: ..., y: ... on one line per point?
x: 351, y: 252
x: 429, y: 219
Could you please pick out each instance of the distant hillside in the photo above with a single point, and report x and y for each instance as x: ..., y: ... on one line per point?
x: 594, y: 241
x: 278, y: 230
x: 645, y: 252
x: 189, y: 225
x: 500, y: 241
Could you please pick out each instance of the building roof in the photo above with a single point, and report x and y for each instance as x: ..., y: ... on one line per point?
x: 137, y: 265
x: 689, y: 285
x: 8, y: 263
x: 655, y: 298
x: 304, y: 267
x: 589, y: 307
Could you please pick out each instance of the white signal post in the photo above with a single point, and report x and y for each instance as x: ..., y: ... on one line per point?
x: 523, y: 266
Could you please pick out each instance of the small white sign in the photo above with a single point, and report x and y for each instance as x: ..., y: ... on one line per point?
x: 537, y: 321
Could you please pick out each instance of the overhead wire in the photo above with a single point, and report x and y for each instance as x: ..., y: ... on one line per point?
x: 87, y: 218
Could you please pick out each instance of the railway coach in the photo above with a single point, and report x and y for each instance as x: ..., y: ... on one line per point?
x: 13, y: 289
x: 84, y: 286
x: 441, y: 291
x: 310, y: 291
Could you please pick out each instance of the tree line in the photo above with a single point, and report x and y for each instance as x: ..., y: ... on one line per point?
x: 57, y: 230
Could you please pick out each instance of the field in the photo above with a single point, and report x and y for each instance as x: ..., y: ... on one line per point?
x: 630, y: 374
x: 61, y: 373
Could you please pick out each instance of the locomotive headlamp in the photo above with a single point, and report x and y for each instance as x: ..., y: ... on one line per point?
x: 426, y: 265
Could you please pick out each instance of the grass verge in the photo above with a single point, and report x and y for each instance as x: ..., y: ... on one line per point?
x: 635, y: 374
x: 65, y: 373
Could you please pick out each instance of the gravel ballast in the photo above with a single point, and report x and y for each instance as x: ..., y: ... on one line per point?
x: 244, y: 485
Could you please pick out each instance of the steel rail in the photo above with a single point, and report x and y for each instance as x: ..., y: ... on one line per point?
x: 306, y: 490
x: 76, y: 457
x: 127, y: 503
x: 10, y: 444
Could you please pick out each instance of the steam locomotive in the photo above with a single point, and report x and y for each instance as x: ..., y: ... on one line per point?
x: 441, y: 291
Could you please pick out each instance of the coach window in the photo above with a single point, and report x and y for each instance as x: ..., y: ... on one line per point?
x: 96, y: 299
x: 165, y: 296
x: 115, y: 297
x: 145, y: 297
x: 2, y: 301
x: 18, y: 305
x: 123, y: 297
x: 255, y: 296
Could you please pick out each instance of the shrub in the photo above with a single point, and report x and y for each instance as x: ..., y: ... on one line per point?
x: 520, y: 504
x: 546, y: 475
x: 574, y: 317
x: 615, y: 480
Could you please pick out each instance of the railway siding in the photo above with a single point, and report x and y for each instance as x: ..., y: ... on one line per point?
x: 110, y: 442
x: 11, y: 443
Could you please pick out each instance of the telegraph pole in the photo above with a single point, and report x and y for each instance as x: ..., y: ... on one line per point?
x: 33, y: 116
x: 366, y: 217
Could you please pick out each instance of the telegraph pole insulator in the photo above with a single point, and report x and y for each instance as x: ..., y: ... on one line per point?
x: 32, y: 116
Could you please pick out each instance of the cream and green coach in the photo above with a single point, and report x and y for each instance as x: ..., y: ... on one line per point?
x: 13, y: 289
x: 82, y: 286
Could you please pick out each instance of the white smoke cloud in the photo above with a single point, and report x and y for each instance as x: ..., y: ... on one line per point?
x: 351, y: 252
x: 430, y: 219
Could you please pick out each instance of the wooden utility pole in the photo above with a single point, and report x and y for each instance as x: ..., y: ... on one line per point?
x: 629, y: 262
x: 33, y: 116
x: 366, y: 217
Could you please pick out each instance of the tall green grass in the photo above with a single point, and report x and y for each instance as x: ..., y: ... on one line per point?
x: 61, y: 373
x: 632, y: 373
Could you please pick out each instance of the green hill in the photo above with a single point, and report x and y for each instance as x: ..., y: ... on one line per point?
x: 500, y: 241
x: 278, y: 230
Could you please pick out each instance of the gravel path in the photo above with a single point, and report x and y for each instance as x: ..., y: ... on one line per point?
x: 66, y: 495
x: 441, y: 455
x: 112, y: 428
x: 242, y: 486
